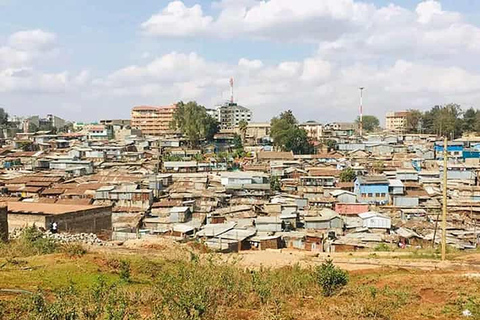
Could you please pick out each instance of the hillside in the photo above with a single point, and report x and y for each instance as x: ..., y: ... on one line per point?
x: 185, y: 282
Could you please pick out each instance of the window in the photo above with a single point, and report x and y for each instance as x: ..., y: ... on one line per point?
x: 383, y: 195
x: 364, y: 195
x: 370, y: 195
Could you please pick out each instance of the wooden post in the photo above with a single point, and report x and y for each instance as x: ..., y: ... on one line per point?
x: 444, y: 213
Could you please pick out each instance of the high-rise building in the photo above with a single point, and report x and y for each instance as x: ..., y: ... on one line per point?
x: 230, y: 114
x: 396, y: 121
x: 152, y: 121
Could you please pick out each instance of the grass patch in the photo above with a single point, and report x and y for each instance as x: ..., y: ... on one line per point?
x: 202, y: 286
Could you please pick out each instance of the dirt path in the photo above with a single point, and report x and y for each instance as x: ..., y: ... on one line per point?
x: 279, y: 258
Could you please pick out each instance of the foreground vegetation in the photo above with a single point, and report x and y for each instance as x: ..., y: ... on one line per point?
x: 70, y: 283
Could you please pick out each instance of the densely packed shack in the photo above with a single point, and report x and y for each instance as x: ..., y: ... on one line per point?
x: 362, y: 193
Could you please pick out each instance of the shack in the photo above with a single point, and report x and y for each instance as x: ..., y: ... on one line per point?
x: 69, y: 218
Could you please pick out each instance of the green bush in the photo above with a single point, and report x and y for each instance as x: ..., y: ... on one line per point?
x: 125, y: 271
x: 101, y: 301
x: 331, y: 278
x: 30, y: 242
x: 73, y: 250
x: 382, y: 247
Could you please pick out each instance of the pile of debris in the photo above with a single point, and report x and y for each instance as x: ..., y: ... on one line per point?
x: 84, y: 238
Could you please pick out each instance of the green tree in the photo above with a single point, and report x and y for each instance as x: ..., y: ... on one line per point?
x: 414, y: 120
x: 193, y: 121
x: 370, y: 123
x: 3, y: 117
x: 470, y: 120
x: 242, y: 126
x: 378, y: 166
x: 331, y: 145
x: 298, y: 142
x: 289, y: 117
x: 331, y: 278
x: 275, y: 184
x: 288, y: 136
x: 237, y: 142
x: 211, y: 127
x: 444, y: 120
x: 347, y: 175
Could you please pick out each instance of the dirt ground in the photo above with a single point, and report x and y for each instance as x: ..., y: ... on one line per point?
x: 278, y: 258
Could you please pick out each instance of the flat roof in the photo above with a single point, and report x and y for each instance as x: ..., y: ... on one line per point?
x: 47, y: 208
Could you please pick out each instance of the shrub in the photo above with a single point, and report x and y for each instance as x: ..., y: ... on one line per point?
x: 101, y: 301
x: 30, y: 242
x: 73, y: 250
x: 382, y: 247
x: 331, y: 278
x: 124, y: 271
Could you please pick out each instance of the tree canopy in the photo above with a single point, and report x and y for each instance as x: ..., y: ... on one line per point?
x: 3, y: 117
x: 194, y: 122
x: 370, y: 123
x: 444, y: 120
x: 347, y: 175
x: 414, y: 120
x: 288, y: 136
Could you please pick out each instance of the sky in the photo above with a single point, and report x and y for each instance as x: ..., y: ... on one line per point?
x: 87, y: 60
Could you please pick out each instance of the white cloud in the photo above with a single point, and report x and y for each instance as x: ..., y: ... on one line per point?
x: 406, y: 58
x: 313, y: 88
x: 32, y: 40
x: 430, y: 11
x: 342, y: 28
x: 178, y: 20
x: 305, y: 20
x: 19, y: 60
x: 250, y: 64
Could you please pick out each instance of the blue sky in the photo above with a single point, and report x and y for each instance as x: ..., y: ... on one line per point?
x: 97, y: 59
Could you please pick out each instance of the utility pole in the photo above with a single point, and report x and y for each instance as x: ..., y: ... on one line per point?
x: 361, y: 110
x: 444, y: 214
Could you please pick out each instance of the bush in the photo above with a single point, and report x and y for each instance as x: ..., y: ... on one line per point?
x: 331, y: 278
x: 30, y: 242
x: 73, y: 250
x: 382, y: 247
x: 124, y: 271
x: 101, y: 301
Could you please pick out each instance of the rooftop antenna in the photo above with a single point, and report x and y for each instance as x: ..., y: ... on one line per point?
x: 231, y: 90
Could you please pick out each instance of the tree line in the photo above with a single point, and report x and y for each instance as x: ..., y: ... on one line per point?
x: 443, y: 120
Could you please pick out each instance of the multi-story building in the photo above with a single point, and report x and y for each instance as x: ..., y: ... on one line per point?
x: 396, y: 121
x: 152, y: 121
x: 98, y: 132
x: 257, y: 133
x: 116, y: 122
x: 313, y: 128
x: 338, y: 129
x: 230, y: 114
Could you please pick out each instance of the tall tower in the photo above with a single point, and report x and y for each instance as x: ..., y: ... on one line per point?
x: 231, y: 90
x: 361, y: 110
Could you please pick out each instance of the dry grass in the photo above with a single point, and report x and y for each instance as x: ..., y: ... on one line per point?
x: 195, y: 285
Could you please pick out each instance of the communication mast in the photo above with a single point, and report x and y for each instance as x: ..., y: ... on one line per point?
x: 361, y: 110
x: 231, y: 90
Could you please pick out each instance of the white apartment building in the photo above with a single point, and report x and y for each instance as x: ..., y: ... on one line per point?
x: 230, y: 114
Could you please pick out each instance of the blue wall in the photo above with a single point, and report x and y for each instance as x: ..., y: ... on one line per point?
x: 471, y: 154
x: 374, y: 189
x: 449, y: 148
